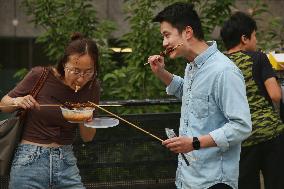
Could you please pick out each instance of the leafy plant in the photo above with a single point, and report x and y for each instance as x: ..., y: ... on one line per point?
x: 213, y: 14
x: 142, y: 39
x: 138, y: 82
x: 270, y: 36
x: 130, y: 79
x: 21, y: 73
x: 275, y: 35
x: 60, y: 18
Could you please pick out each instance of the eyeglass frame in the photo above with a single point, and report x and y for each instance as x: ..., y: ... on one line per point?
x: 79, y: 73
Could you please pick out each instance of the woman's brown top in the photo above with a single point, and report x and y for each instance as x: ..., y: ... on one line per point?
x: 47, y: 125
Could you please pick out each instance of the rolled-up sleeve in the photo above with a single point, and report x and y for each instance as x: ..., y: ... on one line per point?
x: 175, y: 87
x: 230, y: 94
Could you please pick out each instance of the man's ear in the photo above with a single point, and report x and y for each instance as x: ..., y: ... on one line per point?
x: 244, y: 39
x: 188, y: 32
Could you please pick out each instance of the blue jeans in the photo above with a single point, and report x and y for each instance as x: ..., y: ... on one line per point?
x: 36, y: 167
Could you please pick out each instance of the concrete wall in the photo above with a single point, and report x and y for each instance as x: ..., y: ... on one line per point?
x: 106, y: 9
x: 10, y: 9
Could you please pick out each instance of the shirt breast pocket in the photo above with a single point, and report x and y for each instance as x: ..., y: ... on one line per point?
x: 200, y: 105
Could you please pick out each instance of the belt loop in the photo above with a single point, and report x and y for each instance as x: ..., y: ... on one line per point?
x: 50, y: 168
x: 38, y: 150
x: 60, y: 153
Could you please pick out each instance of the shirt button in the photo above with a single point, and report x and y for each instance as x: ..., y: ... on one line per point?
x: 186, y: 102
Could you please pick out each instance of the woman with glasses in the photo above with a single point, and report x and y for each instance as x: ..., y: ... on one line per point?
x: 44, y: 158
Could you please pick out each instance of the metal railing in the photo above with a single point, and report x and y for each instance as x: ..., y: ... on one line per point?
x: 122, y: 157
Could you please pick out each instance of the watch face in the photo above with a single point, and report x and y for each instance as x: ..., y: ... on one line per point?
x: 196, y: 143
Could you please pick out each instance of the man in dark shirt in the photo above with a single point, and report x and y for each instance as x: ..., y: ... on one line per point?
x: 264, y: 149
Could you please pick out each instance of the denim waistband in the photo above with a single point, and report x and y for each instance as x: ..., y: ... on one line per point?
x: 42, y: 149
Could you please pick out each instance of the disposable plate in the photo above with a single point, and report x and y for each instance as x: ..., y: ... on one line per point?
x: 102, y: 122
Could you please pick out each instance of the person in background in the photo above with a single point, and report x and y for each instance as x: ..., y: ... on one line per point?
x: 44, y: 158
x: 264, y: 149
x: 215, y: 116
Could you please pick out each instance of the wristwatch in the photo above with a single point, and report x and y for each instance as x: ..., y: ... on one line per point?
x: 195, y: 143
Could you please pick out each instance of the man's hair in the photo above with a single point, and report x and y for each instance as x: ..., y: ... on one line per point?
x: 239, y: 24
x: 180, y: 15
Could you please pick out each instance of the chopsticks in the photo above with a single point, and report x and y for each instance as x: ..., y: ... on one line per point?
x: 42, y: 105
x: 124, y: 120
x: 57, y: 105
x: 110, y: 105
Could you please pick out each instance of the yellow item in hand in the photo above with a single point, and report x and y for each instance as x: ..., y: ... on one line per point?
x: 276, y: 60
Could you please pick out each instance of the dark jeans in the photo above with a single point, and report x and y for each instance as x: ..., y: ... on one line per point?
x: 267, y: 157
x: 220, y: 186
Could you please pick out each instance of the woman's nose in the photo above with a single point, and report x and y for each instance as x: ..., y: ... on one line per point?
x: 80, y: 79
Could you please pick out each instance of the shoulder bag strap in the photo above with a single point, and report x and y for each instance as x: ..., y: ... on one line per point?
x: 36, y: 88
x: 40, y: 82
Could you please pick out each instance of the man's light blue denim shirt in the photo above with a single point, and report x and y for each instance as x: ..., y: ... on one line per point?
x: 213, y: 102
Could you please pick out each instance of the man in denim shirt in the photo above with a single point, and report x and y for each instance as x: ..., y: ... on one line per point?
x: 215, y: 116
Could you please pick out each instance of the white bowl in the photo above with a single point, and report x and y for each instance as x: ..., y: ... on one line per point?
x: 77, y: 115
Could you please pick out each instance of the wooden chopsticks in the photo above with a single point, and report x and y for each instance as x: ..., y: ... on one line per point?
x: 57, y: 105
x: 124, y: 120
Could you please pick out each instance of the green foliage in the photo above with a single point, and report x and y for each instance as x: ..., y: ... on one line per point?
x: 101, y: 35
x: 270, y: 36
x: 21, y: 73
x: 60, y: 18
x: 213, y: 14
x: 130, y: 79
x: 135, y: 80
x: 274, y: 36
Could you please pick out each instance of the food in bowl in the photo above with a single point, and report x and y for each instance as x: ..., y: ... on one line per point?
x: 77, y: 115
x: 72, y: 105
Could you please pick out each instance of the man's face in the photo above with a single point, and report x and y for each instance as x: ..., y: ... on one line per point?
x: 171, y: 38
x: 250, y: 44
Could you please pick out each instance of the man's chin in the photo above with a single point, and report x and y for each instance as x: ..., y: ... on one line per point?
x: 173, y: 56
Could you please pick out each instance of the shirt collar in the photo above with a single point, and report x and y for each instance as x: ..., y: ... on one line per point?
x: 201, y: 58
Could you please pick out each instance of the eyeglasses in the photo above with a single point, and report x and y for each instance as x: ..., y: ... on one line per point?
x: 78, y: 73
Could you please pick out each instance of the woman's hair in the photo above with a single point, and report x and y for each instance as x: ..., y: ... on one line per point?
x: 79, y: 45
